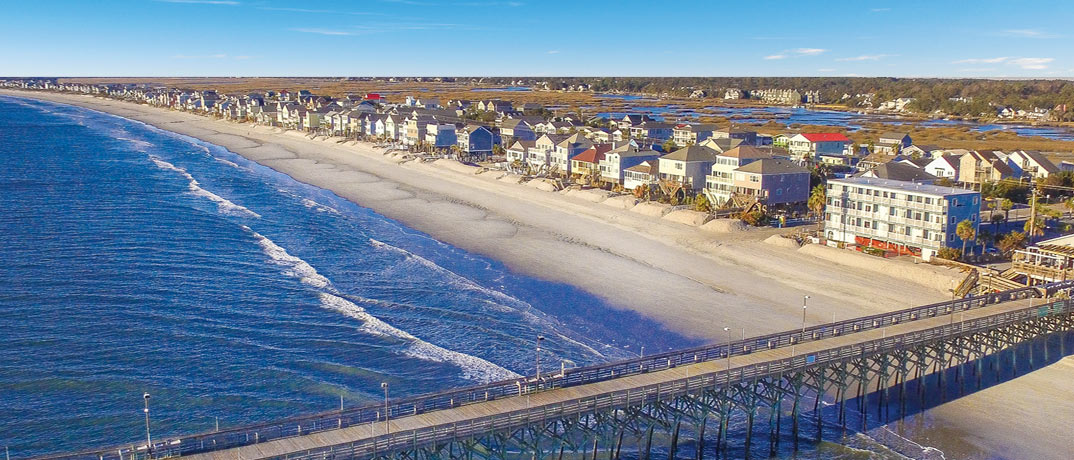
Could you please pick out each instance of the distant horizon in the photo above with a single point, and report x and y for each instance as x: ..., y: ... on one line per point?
x: 520, y: 77
x: 994, y: 39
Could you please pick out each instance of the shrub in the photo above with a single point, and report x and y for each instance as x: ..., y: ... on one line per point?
x: 949, y: 253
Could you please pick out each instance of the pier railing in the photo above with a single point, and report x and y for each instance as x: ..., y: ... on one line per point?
x: 402, y: 407
x: 408, y: 439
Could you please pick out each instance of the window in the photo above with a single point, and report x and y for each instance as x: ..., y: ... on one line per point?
x: 917, y: 216
x: 885, y: 194
x: 891, y: 211
x: 866, y: 224
x: 952, y: 219
x: 928, y: 200
x: 891, y: 228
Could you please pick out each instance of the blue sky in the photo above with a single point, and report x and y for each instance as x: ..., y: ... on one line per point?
x: 536, y: 38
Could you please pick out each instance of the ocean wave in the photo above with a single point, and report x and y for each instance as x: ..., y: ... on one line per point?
x: 295, y: 266
x: 504, y: 302
x: 473, y: 368
x: 225, y: 205
x: 139, y: 145
x: 318, y: 206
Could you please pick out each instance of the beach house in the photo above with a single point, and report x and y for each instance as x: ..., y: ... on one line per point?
x: 687, y: 166
x: 773, y: 181
x: 720, y: 182
x: 808, y: 147
x: 641, y: 174
x: 621, y: 157
x: 475, y: 140
x: 691, y: 134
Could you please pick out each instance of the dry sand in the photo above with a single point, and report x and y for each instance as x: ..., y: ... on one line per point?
x: 694, y: 280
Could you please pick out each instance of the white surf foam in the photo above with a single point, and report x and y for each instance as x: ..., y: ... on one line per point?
x: 506, y: 302
x: 225, y: 205
x: 139, y: 145
x: 473, y: 368
x: 318, y: 206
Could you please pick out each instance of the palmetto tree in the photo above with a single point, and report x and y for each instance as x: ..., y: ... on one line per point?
x: 966, y: 232
x: 1006, y: 204
x: 817, y: 199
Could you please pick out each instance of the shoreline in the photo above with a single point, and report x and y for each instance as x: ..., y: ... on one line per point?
x: 692, y: 281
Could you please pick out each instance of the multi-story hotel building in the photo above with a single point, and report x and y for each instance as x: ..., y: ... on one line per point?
x: 904, y: 217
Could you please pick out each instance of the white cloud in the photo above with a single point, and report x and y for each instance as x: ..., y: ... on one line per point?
x: 1032, y: 63
x: 866, y: 57
x: 994, y: 60
x: 825, y: 70
x: 553, y: 51
x: 323, y: 31
x: 797, y: 52
x: 879, y: 10
x: 206, y: 56
x: 1028, y: 33
x: 202, y: 2
x: 1028, y: 63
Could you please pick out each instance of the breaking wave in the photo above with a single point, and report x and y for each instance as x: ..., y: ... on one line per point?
x: 225, y: 205
x: 473, y: 368
x: 504, y: 302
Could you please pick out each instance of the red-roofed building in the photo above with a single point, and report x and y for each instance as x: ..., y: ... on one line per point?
x: 808, y: 146
x: 372, y: 97
x: 586, y: 163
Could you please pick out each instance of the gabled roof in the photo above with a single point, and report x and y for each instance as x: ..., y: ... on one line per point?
x: 746, y: 152
x: 825, y: 137
x: 647, y: 167
x: 893, y: 135
x: 691, y: 153
x: 1041, y: 160
x: 901, y: 172
x: 773, y: 166
x: 590, y: 155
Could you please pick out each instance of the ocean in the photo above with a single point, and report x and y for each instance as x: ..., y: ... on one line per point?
x: 138, y: 260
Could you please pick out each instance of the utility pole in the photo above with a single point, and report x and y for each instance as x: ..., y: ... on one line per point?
x: 1032, y: 214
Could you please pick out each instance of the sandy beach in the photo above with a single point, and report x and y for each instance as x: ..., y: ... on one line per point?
x: 692, y: 280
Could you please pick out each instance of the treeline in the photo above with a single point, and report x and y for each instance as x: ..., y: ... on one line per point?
x: 968, y: 97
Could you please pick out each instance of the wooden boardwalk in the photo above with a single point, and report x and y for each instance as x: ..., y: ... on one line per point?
x: 555, y: 397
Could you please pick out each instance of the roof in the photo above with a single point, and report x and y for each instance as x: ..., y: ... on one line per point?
x: 901, y: 172
x: 646, y: 167
x: 1041, y: 160
x: 893, y: 135
x: 691, y: 153
x: 590, y: 155
x: 747, y: 152
x: 773, y: 166
x: 914, y: 187
x: 825, y: 137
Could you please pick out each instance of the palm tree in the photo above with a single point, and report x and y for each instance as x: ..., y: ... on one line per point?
x: 1011, y: 241
x: 817, y: 199
x: 1037, y: 227
x: 966, y: 232
x: 1006, y: 204
x: 1069, y: 204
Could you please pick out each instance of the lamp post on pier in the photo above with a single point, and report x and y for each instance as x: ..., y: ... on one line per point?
x: 540, y: 338
x: 148, y: 439
x: 387, y: 428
